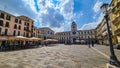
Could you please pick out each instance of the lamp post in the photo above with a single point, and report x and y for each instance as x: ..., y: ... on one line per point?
x: 113, y: 58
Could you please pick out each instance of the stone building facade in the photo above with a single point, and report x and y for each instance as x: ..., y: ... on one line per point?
x: 45, y: 33
x: 76, y: 36
x: 11, y: 25
x: 102, y: 33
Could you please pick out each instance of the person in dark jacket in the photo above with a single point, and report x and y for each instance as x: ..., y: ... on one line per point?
x: 89, y: 42
x: 92, y: 43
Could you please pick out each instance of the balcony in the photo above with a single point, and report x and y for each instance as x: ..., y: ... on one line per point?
x: 116, y: 9
x: 117, y: 32
x: 116, y: 20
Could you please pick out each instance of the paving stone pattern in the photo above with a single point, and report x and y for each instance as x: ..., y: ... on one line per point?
x: 58, y: 56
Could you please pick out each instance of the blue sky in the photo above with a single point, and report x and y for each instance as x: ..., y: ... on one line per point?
x: 57, y: 14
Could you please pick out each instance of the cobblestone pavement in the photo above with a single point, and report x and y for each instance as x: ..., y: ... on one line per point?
x: 59, y: 56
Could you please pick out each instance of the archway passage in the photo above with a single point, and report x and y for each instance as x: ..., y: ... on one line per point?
x: 74, y: 40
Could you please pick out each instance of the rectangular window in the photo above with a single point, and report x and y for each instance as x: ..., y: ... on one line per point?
x: 0, y: 30
x: 16, y: 20
x: 8, y: 17
x: 2, y: 15
x: 14, y: 33
x: 27, y: 35
x: 19, y: 27
x: 15, y: 26
x: 18, y: 33
x: 19, y: 21
x: 48, y: 32
x: 27, y: 24
x: 6, y: 30
x: 24, y: 23
x: 1, y: 22
x: 27, y: 28
x: 24, y: 28
x: 24, y: 34
x: 34, y: 35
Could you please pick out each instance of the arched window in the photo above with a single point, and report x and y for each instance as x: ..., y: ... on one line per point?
x: 7, y: 24
x: 16, y: 20
x: 2, y: 15
x: 15, y: 26
x: 8, y: 17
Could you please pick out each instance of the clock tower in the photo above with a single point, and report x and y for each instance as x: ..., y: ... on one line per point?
x: 74, y: 33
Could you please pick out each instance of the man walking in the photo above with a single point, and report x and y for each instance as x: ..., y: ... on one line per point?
x: 92, y: 43
x: 89, y: 42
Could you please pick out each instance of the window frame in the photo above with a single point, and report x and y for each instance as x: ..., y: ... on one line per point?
x: 16, y: 20
x: 6, y: 31
x: 1, y: 21
x: 15, y: 26
x: 19, y: 27
x: 7, y: 24
x: 8, y: 17
x: 2, y: 15
x: 14, y: 33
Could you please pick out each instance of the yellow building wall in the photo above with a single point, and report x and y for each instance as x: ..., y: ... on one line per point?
x: 115, y: 13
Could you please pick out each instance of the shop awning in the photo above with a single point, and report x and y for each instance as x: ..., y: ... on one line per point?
x: 50, y: 40
x: 35, y: 39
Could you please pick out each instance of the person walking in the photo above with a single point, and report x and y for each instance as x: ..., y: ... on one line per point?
x: 92, y: 43
x: 89, y: 42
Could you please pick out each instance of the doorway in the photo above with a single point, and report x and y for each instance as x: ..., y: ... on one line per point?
x: 74, y: 40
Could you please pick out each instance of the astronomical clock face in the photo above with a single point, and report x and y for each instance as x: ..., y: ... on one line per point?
x: 74, y: 32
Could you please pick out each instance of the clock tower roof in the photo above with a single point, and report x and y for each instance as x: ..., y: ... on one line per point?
x: 73, y: 23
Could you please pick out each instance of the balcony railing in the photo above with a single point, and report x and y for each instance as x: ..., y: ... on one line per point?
x: 116, y: 9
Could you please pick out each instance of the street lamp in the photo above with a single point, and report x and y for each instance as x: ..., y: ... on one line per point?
x: 113, y: 58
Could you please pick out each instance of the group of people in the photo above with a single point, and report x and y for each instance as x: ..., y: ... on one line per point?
x: 92, y: 42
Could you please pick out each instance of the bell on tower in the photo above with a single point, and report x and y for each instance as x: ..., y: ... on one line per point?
x: 73, y: 26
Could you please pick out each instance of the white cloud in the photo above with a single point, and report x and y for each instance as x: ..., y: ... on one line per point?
x: 66, y: 8
x: 31, y: 4
x: 97, y: 16
x: 56, y: 16
x: 89, y: 26
x: 49, y: 14
x: 92, y: 25
x: 97, y: 5
x: 61, y: 29
x: 17, y: 8
x: 78, y: 15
